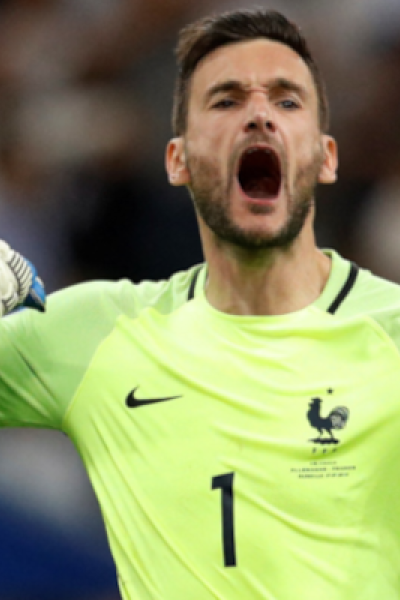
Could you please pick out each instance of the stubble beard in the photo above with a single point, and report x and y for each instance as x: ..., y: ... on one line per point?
x: 211, y: 200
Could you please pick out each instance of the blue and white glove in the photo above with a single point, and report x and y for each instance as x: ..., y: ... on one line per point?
x: 19, y: 283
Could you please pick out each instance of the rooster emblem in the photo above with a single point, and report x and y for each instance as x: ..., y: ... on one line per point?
x: 336, y: 419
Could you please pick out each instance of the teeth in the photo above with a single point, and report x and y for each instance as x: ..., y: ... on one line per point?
x: 252, y: 150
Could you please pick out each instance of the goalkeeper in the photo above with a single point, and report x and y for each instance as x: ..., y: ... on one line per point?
x: 239, y: 422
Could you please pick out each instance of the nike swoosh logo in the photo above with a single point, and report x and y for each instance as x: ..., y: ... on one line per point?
x: 133, y: 402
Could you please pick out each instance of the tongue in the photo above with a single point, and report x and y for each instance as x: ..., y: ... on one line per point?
x: 260, y: 187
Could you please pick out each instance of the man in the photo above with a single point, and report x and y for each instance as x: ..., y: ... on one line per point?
x: 239, y: 422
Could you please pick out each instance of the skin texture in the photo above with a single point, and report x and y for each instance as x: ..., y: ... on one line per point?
x: 261, y: 254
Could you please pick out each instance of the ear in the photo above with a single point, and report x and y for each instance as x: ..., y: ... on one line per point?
x: 328, y: 172
x: 175, y: 162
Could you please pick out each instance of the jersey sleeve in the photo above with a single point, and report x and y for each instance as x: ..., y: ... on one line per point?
x: 43, y: 357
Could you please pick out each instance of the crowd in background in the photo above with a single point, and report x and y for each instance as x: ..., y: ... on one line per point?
x: 85, y: 101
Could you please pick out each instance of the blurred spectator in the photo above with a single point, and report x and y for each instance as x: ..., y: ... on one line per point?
x: 132, y: 224
x: 377, y: 239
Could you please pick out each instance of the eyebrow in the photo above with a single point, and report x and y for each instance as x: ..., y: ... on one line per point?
x: 233, y: 85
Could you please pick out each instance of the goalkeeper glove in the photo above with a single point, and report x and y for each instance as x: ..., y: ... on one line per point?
x: 19, y: 283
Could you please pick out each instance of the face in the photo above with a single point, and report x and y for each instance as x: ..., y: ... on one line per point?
x: 253, y: 151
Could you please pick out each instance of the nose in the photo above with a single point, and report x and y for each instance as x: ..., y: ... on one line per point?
x: 260, y: 125
x: 260, y: 116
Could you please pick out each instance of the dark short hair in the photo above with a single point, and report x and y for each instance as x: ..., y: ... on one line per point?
x: 202, y: 37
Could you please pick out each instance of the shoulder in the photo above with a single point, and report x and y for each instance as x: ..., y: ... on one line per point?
x: 90, y: 310
x: 125, y: 297
x: 378, y: 300
x: 50, y: 352
x: 373, y: 294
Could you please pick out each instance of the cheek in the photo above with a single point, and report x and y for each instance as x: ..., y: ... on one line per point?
x: 210, y: 144
x: 307, y: 149
x: 209, y: 130
x: 212, y: 138
x: 199, y: 142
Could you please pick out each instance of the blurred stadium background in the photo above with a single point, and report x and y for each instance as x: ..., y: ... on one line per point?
x: 85, y: 99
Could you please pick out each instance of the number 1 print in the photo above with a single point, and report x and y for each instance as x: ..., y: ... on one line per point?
x: 225, y: 484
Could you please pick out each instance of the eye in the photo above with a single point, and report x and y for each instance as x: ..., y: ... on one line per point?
x: 289, y: 104
x: 225, y: 103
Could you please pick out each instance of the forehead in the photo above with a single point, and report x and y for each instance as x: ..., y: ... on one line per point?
x: 252, y: 62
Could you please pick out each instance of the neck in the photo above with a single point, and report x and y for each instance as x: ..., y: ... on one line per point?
x: 269, y: 282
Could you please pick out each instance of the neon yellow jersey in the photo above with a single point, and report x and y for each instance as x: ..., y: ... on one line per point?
x: 234, y: 458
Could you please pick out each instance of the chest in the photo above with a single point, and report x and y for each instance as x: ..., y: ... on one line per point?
x: 284, y: 402
x: 253, y: 449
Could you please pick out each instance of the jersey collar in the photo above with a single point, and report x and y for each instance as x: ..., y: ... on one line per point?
x: 341, y: 280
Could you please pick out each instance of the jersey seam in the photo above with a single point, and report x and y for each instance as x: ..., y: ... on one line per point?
x: 75, y: 395
x: 380, y: 330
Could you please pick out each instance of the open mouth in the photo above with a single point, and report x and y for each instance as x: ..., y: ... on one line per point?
x: 260, y: 173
